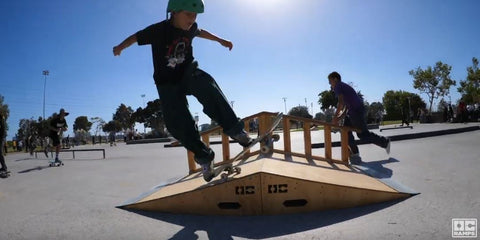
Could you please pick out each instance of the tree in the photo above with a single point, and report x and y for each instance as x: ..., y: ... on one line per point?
x: 327, y: 99
x: 320, y: 116
x: 435, y: 82
x: 98, y: 122
x: 82, y: 123
x: 4, y: 110
x: 392, y: 101
x: 112, y: 126
x: 42, y: 126
x: 300, y: 111
x: 152, y: 117
x: 26, y: 127
x: 374, y: 110
x: 470, y: 88
x: 124, y: 116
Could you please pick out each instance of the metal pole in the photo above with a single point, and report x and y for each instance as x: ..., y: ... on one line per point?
x: 45, y: 73
x: 144, y: 127
x: 285, y: 103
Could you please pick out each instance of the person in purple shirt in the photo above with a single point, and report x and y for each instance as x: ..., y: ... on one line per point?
x: 348, y: 98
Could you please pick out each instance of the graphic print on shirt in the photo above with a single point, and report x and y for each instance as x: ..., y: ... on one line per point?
x: 177, y: 52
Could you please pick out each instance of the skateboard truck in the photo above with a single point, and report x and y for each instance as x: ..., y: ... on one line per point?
x: 226, y: 168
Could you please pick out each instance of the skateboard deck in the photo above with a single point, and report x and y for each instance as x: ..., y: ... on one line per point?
x: 227, y: 167
x: 396, y: 127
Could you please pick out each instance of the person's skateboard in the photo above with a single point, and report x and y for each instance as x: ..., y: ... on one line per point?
x: 227, y: 168
x: 54, y: 163
x: 4, y: 174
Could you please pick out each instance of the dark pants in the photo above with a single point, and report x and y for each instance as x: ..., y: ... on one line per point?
x: 2, y: 158
x: 357, y: 120
x: 55, y: 138
x: 180, y: 122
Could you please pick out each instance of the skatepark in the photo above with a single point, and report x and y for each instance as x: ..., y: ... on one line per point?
x: 80, y: 200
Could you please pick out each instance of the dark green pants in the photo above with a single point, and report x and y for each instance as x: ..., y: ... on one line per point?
x: 178, y: 118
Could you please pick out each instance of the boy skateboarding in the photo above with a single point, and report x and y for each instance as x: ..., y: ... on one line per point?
x: 177, y: 75
x: 349, y: 99
x: 57, y: 125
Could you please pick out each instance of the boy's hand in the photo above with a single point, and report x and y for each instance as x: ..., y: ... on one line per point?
x: 117, y: 51
x: 226, y: 44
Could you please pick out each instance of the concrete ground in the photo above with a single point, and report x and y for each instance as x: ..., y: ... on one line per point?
x: 78, y: 200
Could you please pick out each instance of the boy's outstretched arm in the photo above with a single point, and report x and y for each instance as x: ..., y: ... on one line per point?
x: 207, y: 35
x: 126, y: 43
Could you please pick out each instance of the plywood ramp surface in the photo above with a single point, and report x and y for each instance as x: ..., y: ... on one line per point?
x: 195, y: 182
x: 343, y: 177
x: 269, y: 185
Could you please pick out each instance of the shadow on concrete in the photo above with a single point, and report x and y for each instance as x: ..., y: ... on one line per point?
x: 258, y: 227
x: 377, y: 169
x: 383, y: 174
x: 28, y: 159
x: 38, y: 168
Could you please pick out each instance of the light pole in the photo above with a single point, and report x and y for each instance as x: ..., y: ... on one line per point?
x: 285, y: 103
x: 143, y: 98
x: 144, y: 125
x: 306, y: 104
x: 45, y: 73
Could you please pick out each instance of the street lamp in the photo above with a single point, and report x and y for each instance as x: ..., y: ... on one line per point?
x: 45, y: 73
x: 144, y: 125
x: 143, y: 98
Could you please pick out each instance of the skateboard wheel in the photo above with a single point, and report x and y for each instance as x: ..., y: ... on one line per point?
x: 275, y: 137
x: 238, y: 170
x: 224, y: 176
x: 265, y: 149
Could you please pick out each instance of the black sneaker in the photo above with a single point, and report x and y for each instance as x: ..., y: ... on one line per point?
x: 208, y: 171
x: 208, y: 167
x: 242, y: 138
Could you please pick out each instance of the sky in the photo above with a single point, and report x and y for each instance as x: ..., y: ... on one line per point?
x: 282, y: 49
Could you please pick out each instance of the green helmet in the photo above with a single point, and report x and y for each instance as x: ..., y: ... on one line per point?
x: 186, y: 5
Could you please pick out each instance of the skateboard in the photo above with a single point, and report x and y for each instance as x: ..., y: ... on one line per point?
x: 227, y: 168
x: 4, y: 174
x: 55, y: 163
x: 396, y: 127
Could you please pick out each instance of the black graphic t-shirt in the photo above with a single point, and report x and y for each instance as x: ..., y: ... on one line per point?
x: 58, y: 123
x: 171, y: 49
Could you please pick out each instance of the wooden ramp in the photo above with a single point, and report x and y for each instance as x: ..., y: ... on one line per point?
x: 269, y: 185
x: 279, y: 182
